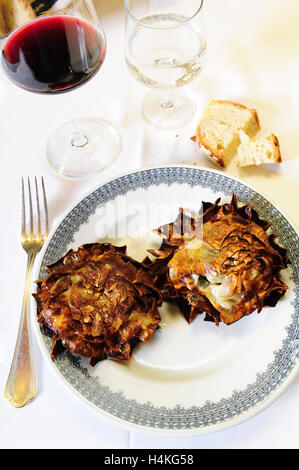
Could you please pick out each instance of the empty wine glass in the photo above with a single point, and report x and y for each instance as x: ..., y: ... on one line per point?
x: 54, y: 53
x: 165, y: 49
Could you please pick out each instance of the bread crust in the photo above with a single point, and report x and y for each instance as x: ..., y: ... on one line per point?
x: 241, y: 106
x: 210, y: 152
x: 213, y: 154
x: 8, y: 14
x: 275, y: 142
x: 275, y: 156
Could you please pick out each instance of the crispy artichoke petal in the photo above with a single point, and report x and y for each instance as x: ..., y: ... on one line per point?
x: 247, y: 258
x: 98, y: 302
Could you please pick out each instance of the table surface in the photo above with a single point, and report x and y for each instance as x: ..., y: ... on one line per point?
x: 253, y: 59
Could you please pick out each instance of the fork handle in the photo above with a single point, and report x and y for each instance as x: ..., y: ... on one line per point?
x: 21, y: 383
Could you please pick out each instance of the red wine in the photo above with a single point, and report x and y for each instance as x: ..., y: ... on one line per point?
x: 53, y: 54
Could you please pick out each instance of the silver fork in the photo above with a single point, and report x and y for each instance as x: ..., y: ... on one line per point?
x: 21, y: 383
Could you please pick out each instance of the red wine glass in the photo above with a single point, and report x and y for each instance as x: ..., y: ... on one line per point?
x: 55, y: 53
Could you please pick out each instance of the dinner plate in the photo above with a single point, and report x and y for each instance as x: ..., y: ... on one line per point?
x: 194, y: 378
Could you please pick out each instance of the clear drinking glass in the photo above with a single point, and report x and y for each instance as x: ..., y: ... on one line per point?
x: 165, y: 50
x: 55, y: 53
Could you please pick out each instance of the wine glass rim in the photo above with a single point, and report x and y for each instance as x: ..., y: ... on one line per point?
x: 146, y: 25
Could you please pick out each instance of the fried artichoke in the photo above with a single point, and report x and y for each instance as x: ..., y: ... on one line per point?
x: 98, y: 302
x: 221, y: 262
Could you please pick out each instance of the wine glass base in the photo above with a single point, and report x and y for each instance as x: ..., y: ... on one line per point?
x: 99, y: 148
x: 168, y: 109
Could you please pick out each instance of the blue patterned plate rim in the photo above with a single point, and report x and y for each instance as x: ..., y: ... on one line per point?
x: 212, y: 416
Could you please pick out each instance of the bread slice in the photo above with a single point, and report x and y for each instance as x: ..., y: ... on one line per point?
x: 14, y: 13
x: 258, y: 151
x: 218, y: 131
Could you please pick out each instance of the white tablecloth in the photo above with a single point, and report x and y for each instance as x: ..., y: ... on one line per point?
x: 253, y: 58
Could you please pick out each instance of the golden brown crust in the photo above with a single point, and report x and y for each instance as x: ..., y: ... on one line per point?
x: 4, y: 29
x: 277, y: 155
x: 4, y: 20
x: 27, y: 6
x: 98, y: 303
x: 213, y: 154
x: 9, y: 14
x: 270, y: 155
x: 241, y: 106
x: 209, y: 151
x: 236, y: 262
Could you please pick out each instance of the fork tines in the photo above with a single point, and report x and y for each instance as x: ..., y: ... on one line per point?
x: 37, y: 225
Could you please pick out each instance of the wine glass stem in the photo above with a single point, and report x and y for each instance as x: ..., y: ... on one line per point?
x: 78, y: 139
x: 167, y: 104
